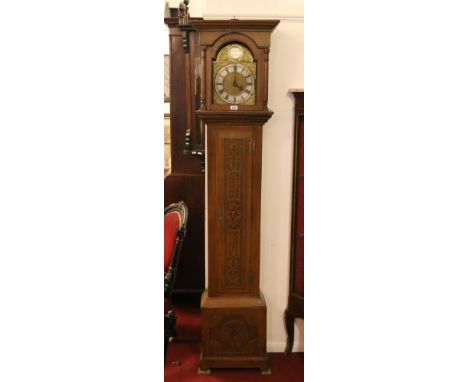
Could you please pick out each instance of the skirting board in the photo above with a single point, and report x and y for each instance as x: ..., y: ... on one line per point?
x: 279, y: 346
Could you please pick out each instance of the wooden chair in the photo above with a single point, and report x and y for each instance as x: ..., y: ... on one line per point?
x: 175, y: 223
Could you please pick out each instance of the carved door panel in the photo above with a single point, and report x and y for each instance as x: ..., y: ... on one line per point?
x: 232, y: 245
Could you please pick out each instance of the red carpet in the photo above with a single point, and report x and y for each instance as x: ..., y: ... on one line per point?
x: 283, y: 368
x: 188, y: 324
x: 187, y: 350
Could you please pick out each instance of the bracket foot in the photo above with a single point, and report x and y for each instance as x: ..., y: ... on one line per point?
x: 204, y: 372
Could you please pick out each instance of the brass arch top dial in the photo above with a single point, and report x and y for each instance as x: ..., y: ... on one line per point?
x: 234, y: 83
x: 234, y: 76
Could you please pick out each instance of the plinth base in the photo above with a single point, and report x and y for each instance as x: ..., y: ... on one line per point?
x: 233, y: 333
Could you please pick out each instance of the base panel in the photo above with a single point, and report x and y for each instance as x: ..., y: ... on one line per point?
x: 233, y: 333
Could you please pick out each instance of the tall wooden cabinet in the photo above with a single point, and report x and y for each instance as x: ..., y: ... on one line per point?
x: 295, y: 307
x: 186, y: 180
x: 233, y: 109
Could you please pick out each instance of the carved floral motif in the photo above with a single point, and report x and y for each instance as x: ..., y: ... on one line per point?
x: 233, y: 333
x: 234, y: 149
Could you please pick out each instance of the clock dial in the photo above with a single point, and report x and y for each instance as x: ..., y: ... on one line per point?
x: 234, y: 83
x: 234, y: 76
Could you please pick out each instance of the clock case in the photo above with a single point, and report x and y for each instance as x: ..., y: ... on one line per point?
x: 215, y: 34
x: 233, y: 309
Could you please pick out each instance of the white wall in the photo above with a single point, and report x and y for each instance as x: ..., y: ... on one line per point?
x: 286, y: 72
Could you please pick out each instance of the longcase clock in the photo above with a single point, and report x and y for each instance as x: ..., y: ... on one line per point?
x: 233, y: 110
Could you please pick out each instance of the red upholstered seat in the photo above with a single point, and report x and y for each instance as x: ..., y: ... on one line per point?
x: 172, y: 224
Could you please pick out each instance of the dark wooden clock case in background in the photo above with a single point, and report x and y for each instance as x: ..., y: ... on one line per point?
x: 233, y: 308
x: 296, y: 275
x: 187, y: 180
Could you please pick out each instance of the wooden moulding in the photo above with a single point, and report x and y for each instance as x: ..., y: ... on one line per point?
x: 235, y: 117
x: 232, y: 301
x: 235, y: 24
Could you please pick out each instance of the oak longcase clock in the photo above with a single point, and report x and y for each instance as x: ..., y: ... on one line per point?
x: 233, y: 109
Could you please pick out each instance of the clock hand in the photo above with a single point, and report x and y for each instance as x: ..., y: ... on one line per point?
x: 235, y: 84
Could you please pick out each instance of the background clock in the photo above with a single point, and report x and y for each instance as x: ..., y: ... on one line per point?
x: 234, y: 72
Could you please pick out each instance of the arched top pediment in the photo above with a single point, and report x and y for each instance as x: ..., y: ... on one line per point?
x: 231, y: 38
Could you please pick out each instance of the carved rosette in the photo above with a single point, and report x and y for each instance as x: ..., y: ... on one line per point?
x: 233, y: 334
x: 234, y: 186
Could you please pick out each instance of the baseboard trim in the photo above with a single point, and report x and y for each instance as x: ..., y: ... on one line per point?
x: 279, y: 346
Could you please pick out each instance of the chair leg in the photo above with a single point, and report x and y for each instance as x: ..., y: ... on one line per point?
x: 166, y: 337
x: 289, y: 323
x: 171, y: 321
x: 169, y: 326
x: 166, y: 340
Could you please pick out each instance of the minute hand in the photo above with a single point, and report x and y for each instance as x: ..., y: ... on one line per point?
x: 235, y: 84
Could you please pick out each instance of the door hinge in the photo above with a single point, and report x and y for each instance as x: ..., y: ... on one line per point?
x: 251, y: 146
